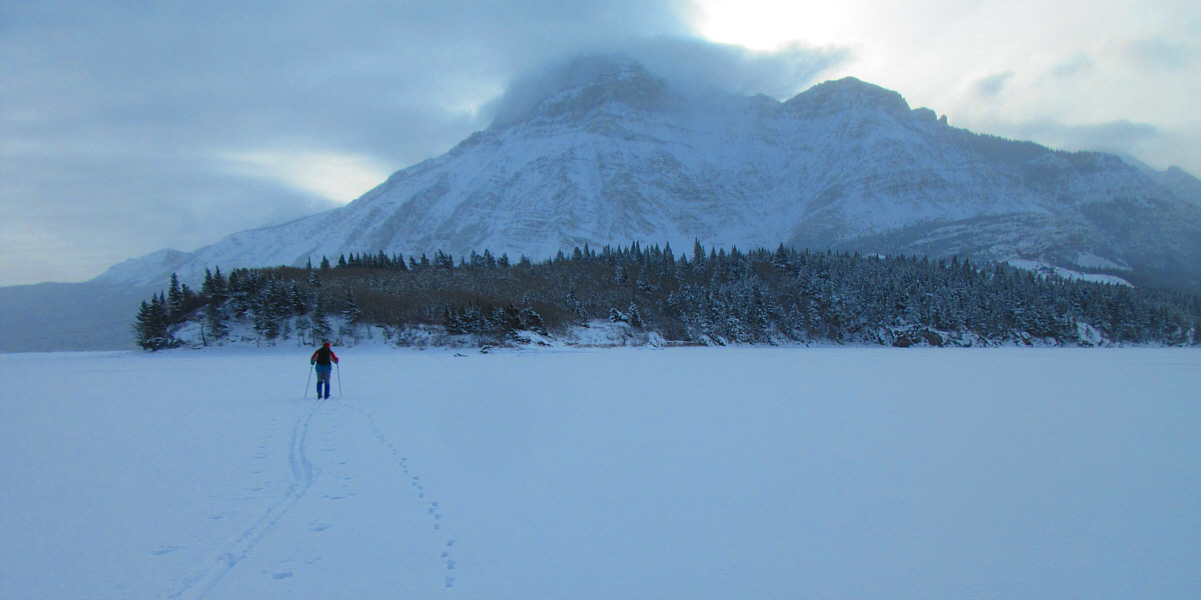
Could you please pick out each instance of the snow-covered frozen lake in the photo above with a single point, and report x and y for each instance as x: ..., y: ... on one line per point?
x: 617, y: 473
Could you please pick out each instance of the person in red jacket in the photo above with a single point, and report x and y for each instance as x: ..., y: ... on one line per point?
x: 324, y: 358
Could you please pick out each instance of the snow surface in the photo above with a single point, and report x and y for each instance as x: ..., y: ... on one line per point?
x: 1045, y: 269
x: 617, y: 473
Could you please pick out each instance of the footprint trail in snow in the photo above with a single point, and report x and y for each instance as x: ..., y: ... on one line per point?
x: 434, y: 508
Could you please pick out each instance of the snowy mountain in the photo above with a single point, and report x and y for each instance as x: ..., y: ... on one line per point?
x: 605, y: 152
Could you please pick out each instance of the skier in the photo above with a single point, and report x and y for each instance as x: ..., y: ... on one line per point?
x: 322, y: 358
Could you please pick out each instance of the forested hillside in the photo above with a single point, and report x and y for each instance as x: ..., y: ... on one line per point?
x: 714, y: 297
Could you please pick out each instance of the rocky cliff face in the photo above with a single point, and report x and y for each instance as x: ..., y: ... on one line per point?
x: 607, y: 153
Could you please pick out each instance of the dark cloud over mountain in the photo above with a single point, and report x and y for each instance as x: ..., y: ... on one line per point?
x: 126, y: 127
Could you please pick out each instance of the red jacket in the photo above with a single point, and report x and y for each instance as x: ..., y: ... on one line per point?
x: 323, y: 360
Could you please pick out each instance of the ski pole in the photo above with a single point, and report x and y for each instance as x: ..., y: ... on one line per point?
x: 308, y: 381
x: 339, y: 379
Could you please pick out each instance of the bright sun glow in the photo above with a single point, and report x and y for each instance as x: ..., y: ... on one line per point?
x: 1018, y: 68
x: 338, y: 177
x: 769, y: 24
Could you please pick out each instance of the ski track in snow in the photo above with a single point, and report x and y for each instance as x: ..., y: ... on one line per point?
x: 434, y: 510
x: 303, y: 476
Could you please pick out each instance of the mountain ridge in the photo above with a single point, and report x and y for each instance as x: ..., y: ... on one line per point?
x: 604, y: 152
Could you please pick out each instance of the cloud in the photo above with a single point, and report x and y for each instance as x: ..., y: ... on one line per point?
x: 118, y: 119
x: 339, y: 177
x: 1158, y: 52
x: 780, y: 73
x: 1079, y: 64
x: 688, y: 65
x: 992, y: 85
x: 134, y: 125
x: 85, y: 213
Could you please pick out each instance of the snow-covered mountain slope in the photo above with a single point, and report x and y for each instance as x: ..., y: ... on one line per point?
x: 612, y: 154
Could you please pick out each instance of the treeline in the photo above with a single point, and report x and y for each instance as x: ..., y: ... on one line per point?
x: 707, y: 297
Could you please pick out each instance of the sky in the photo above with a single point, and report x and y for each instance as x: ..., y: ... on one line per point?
x: 129, y: 127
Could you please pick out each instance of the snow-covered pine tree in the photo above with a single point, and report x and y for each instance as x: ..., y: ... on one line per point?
x: 350, y: 308
x: 621, y: 276
x: 633, y: 316
x: 574, y: 306
x: 321, y: 329
x: 214, y: 288
x: 175, y: 301
x: 350, y: 315
x: 265, y: 309
x: 215, y: 321
x: 151, y: 327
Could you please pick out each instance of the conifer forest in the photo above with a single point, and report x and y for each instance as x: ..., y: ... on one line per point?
x: 709, y: 297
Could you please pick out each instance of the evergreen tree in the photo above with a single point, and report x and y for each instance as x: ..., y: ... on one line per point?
x: 350, y: 309
x: 321, y: 329
x: 215, y: 321
x: 621, y: 276
x: 151, y: 327
x: 633, y: 316
x: 220, y: 289
x: 265, y: 308
x: 175, y: 301
x: 296, y: 299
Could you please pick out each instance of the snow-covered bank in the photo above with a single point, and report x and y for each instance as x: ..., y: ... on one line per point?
x: 624, y: 473
x: 607, y: 334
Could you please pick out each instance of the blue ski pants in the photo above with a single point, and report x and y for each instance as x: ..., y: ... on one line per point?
x: 323, y: 373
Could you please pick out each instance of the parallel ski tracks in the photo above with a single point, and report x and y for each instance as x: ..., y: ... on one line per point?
x: 303, y: 476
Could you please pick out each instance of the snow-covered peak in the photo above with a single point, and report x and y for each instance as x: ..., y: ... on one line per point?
x: 845, y: 95
x: 580, y: 87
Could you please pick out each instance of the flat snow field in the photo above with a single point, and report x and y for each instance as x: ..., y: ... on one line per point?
x: 596, y: 474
